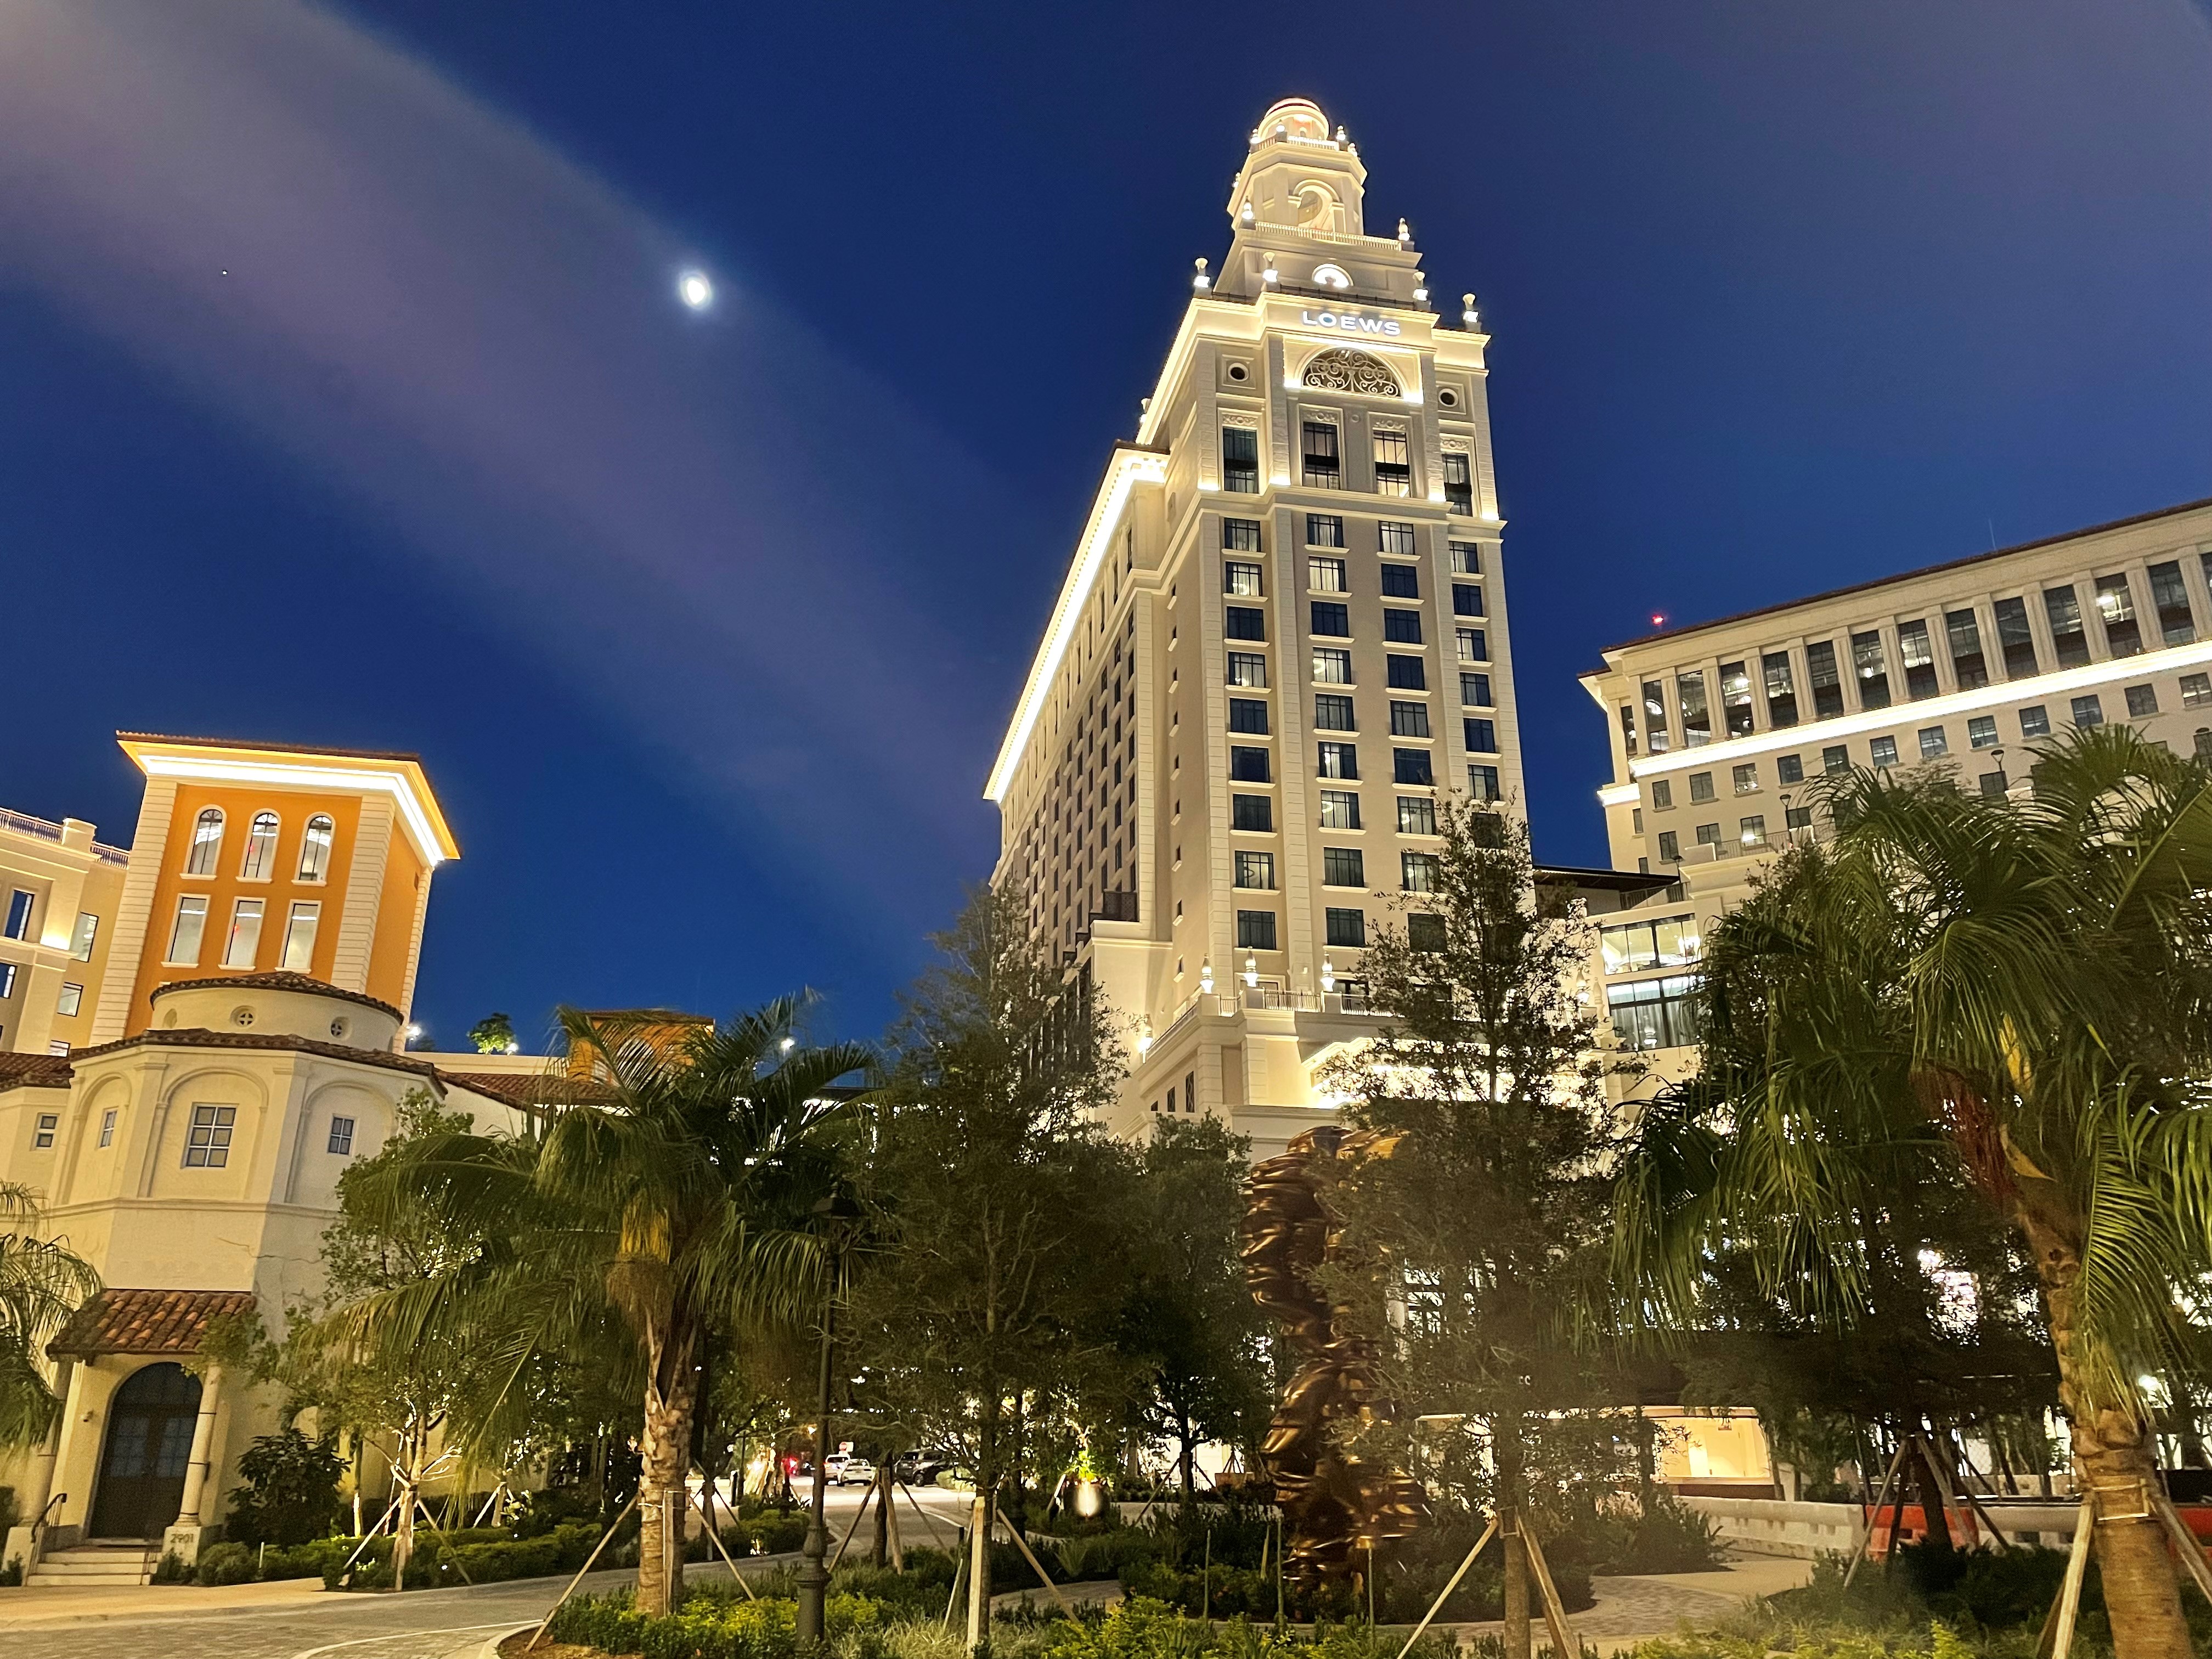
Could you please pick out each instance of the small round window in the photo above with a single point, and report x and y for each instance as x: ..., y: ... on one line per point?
x: 241, y: 1017
x: 1448, y: 399
x: 1235, y: 371
x: 337, y: 1027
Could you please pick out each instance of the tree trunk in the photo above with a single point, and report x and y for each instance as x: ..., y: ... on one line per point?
x: 1509, y: 1456
x: 1936, y: 1533
x: 883, y: 1513
x: 2113, y: 1468
x: 1182, y: 1434
x: 987, y: 1483
x: 671, y: 1397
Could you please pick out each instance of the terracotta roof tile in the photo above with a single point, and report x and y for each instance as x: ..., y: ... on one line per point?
x: 34, y: 1070
x: 274, y: 980
x: 524, y: 1090
x: 145, y: 1322
x: 187, y: 1036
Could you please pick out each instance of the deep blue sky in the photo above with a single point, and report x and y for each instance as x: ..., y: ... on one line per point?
x: 345, y: 398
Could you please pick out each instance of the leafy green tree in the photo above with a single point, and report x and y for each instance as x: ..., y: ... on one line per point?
x: 1196, y: 1340
x: 998, y: 1206
x: 42, y: 1283
x: 2031, y: 979
x: 1473, y: 1218
x: 290, y: 1494
x: 675, y: 1201
x: 494, y: 1035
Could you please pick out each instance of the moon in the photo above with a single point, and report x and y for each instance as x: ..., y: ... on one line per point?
x: 694, y: 288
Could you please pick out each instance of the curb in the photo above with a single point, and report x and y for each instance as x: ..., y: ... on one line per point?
x: 490, y: 1648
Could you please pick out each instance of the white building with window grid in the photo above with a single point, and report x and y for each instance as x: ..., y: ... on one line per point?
x: 1281, y: 639
x: 1716, y: 728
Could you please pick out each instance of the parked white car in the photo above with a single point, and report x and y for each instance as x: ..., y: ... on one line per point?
x: 852, y: 1472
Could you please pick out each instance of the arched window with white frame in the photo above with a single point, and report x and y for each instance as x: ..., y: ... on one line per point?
x: 206, y: 842
x: 260, y: 848
x: 315, y: 848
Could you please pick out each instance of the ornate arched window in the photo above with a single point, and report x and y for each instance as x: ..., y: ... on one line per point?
x: 206, y: 842
x: 260, y: 847
x: 315, y: 848
x: 1342, y: 370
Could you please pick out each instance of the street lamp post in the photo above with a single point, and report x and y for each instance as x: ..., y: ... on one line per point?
x: 814, y: 1570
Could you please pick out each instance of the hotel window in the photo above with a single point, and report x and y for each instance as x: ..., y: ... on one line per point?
x: 1834, y: 759
x: 1340, y: 809
x: 1482, y: 782
x: 206, y: 842
x: 1411, y: 766
x: 2143, y: 700
x: 315, y: 848
x: 2088, y: 710
x: 2035, y: 722
x: 42, y: 1132
x: 20, y: 903
x: 1709, y: 835
x: 1467, y: 599
x: 1343, y: 866
x: 107, y: 1126
x: 1331, y: 620
x: 1332, y: 712
x: 1919, y: 657
x: 1240, y: 536
x: 1331, y: 666
x: 1672, y: 943
x: 1884, y: 750
x: 1322, y: 468
x: 1781, y: 688
x: 1872, y: 668
x: 185, y: 933
x: 1701, y: 786
x: 1256, y: 869
x: 2015, y: 638
x: 1797, y: 818
x: 1394, y: 472
x: 1744, y: 779
x: 1467, y: 558
x: 2196, y: 691
x: 2170, y: 597
x: 6, y: 980
x: 238, y: 950
x: 341, y: 1141
x: 1474, y: 693
x: 1934, y: 745
x: 1339, y: 760
x: 260, y: 848
x: 71, y: 1000
x: 1825, y: 679
x: 1244, y: 622
x: 300, y: 936
x: 1790, y: 769
x: 1981, y: 732
x: 1397, y: 538
x: 1662, y: 795
x: 2067, y: 635
x: 1409, y: 719
x: 1324, y: 530
x: 1656, y: 1014
x: 1481, y: 736
x: 1256, y: 930
x: 1425, y: 931
x: 2116, y: 603
x: 1325, y: 575
x: 1401, y: 581
x: 1251, y: 812
x: 1417, y: 871
x: 1670, y: 847
x: 1346, y: 928
x: 1240, y: 579
x: 1417, y: 816
x: 1735, y: 699
x: 1402, y: 627
x: 1690, y: 698
x: 1405, y: 674
x: 88, y: 929
x: 1240, y: 460
x: 1247, y: 715
x: 1248, y: 764
x: 1655, y: 715
x: 1963, y: 635
x: 207, y: 1143
x: 1473, y: 645
x: 1248, y: 669
x: 1459, y: 485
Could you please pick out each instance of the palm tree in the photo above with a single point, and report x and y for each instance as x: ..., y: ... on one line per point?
x: 678, y: 1192
x: 2019, y: 994
x: 42, y: 1283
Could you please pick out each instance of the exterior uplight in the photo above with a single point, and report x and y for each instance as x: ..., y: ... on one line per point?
x: 1469, y: 316
x: 1201, y: 282
x: 1251, y: 972
x: 1328, y: 975
x: 1205, y: 976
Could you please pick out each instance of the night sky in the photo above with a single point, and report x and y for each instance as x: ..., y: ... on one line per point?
x: 345, y: 397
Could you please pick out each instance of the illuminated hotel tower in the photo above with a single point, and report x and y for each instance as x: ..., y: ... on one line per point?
x: 1282, y: 638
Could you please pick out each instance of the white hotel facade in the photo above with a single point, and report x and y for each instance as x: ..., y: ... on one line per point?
x: 1281, y: 639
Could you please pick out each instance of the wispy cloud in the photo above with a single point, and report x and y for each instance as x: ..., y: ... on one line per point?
x: 708, y: 518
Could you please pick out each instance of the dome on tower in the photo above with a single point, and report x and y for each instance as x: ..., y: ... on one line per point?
x: 1291, y: 117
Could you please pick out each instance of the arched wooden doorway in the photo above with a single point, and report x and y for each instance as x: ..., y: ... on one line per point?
x: 142, y: 1463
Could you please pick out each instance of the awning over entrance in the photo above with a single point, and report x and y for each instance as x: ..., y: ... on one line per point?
x: 145, y: 1322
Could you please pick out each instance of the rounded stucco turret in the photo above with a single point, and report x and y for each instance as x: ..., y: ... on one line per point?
x: 277, y: 1005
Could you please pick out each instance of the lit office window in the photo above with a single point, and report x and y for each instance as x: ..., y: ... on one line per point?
x: 1256, y: 869
x: 1781, y: 688
x: 1735, y: 699
x: 1338, y: 760
x: 1240, y: 536
x: 1340, y: 809
x: 1459, y: 485
x: 87, y: 930
x: 71, y: 1000
x: 300, y: 936
x: 1331, y: 666
x: 245, y: 941
x: 1918, y: 655
x: 1672, y: 942
x: 1393, y: 537
x: 1241, y: 580
x: 260, y: 847
x: 1417, y: 871
x: 206, y: 842
x: 1744, y: 779
x: 1690, y: 698
x: 315, y: 848
x: 1417, y: 815
x: 1872, y: 668
x: 1248, y: 669
x: 1321, y: 466
x: 1752, y: 831
x: 2116, y: 604
x: 1324, y: 530
x: 1393, y: 471
x: 185, y: 933
x: 1467, y: 558
x: 1656, y: 1014
x: 1325, y: 575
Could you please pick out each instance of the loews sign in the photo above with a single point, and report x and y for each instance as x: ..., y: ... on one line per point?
x: 1348, y: 323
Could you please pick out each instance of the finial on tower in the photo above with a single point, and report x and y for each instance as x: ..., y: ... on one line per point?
x: 1469, y: 316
